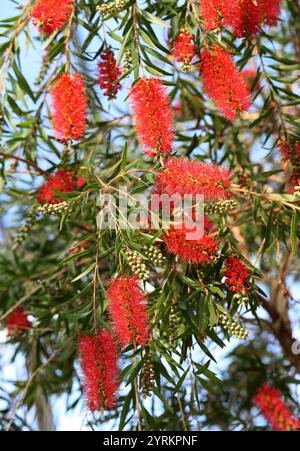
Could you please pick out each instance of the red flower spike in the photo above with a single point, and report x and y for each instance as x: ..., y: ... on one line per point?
x: 127, y: 306
x: 236, y: 274
x: 51, y: 15
x: 182, y: 176
x: 254, y: 14
x: 249, y: 19
x: 270, y: 11
x: 62, y: 181
x: 268, y: 399
x: 100, y: 372
x: 17, y: 322
x: 69, y: 107
x: 223, y: 83
x: 108, y: 74
x: 153, y: 116
x: 244, y: 16
x: 216, y: 13
x: 201, y: 251
x: 184, y: 48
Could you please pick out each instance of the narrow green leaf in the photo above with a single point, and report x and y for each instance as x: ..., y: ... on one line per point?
x: 293, y: 233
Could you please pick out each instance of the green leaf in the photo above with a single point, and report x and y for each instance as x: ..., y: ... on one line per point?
x: 125, y: 409
x: 2, y: 183
x: 213, y: 318
x: 181, y: 380
x: 23, y: 82
x: 268, y: 230
x: 154, y: 19
x: 293, y: 233
x: 124, y: 156
x: 84, y: 273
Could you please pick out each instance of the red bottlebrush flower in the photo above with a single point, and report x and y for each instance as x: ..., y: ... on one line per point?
x: 109, y: 73
x: 254, y: 14
x: 62, y: 181
x: 184, y: 48
x: 182, y: 176
x: 270, y: 11
x: 201, y: 251
x: 127, y: 307
x: 268, y: 399
x: 249, y: 18
x: 99, y: 364
x: 236, y: 274
x: 69, y: 107
x: 153, y: 116
x: 216, y: 13
x: 244, y: 16
x: 51, y: 15
x: 223, y: 83
x: 17, y: 322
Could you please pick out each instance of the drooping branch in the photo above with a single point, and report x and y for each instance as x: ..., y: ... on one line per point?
x: 23, y: 160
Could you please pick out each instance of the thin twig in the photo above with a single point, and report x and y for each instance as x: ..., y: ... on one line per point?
x: 137, y: 399
x: 23, y: 160
x: 95, y: 290
x: 20, y: 24
x: 68, y: 38
x: 137, y: 39
x: 182, y: 413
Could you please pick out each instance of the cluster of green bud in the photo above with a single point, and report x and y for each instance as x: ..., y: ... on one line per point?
x: 24, y: 231
x: 137, y: 265
x: 186, y: 65
x: 220, y: 207
x: 147, y: 374
x: 238, y: 330
x: 60, y: 209
x: 113, y: 8
x: 127, y: 62
x: 174, y: 322
x: 240, y: 298
x: 154, y: 254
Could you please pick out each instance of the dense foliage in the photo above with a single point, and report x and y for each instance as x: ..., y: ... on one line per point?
x: 166, y: 97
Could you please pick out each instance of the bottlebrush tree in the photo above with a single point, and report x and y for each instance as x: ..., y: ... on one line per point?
x: 142, y: 327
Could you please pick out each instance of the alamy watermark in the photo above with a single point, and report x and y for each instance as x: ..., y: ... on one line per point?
x: 158, y: 211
